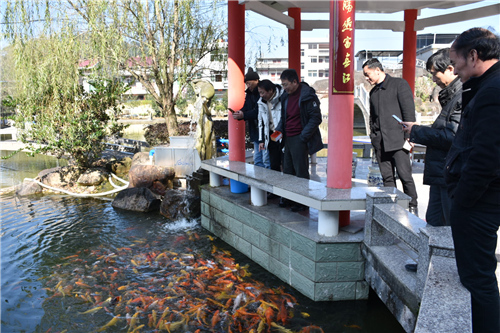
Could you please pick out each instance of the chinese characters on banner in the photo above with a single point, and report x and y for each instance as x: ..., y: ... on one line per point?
x: 343, y: 48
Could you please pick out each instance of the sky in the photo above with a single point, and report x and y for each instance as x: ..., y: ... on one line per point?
x: 368, y: 39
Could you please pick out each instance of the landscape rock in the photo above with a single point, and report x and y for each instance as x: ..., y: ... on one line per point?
x: 140, y: 158
x: 120, y: 167
x: 92, y: 177
x: 146, y: 175
x: 29, y: 187
x: 60, y: 176
x: 178, y: 204
x: 137, y: 199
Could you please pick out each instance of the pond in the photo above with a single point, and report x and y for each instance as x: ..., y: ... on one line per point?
x: 79, y: 265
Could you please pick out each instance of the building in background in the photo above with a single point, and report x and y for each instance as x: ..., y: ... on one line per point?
x: 314, y: 58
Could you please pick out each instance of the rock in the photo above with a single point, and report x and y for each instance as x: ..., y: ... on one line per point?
x: 140, y: 158
x: 121, y: 167
x: 60, y: 176
x: 92, y: 177
x: 178, y: 204
x: 137, y: 199
x: 29, y: 188
x: 145, y: 175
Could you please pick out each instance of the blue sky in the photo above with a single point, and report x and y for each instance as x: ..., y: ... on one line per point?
x: 370, y: 39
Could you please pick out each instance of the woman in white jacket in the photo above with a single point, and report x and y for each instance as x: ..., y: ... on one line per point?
x: 269, y: 117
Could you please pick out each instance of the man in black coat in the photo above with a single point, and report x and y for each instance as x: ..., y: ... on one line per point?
x: 391, y: 96
x: 472, y: 173
x: 439, y: 136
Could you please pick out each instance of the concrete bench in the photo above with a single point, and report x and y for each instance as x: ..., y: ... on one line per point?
x: 328, y: 201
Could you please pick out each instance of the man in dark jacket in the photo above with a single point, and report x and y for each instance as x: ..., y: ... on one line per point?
x: 300, y: 119
x: 472, y: 173
x: 249, y: 112
x: 439, y: 136
x: 391, y: 96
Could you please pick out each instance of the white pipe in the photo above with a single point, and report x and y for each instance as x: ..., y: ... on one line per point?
x: 81, y: 195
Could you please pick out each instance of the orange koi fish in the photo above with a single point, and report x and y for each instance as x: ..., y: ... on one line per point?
x: 215, y: 318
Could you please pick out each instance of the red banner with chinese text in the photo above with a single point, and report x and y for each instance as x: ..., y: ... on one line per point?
x: 343, y: 47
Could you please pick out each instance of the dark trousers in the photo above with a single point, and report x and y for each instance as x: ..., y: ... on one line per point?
x: 275, y: 155
x: 438, y: 209
x: 400, y: 160
x: 475, y: 236
x: 296, y: 157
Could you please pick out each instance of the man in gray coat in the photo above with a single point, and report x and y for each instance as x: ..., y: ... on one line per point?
x: 391, y: 96
x: 439, y: 136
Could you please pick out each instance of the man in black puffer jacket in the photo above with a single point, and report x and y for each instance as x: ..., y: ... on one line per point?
x: 439, y: 136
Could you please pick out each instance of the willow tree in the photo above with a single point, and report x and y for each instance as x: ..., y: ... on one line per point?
x: 161, y: 43
x: 53, y: 112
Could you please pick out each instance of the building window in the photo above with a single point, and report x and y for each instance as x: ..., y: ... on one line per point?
x: 312, y: 73
x: 302, y: 65
x: 313, y: 46
x: 320, y: 74
x: 302, y: 53
x: 313, y: 59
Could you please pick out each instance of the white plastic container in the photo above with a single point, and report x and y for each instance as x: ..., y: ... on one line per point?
x: 184, y: 160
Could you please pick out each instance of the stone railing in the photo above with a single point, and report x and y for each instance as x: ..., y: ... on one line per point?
x: 430, y: 300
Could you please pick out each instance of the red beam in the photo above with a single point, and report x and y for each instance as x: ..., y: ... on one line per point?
x: 294, y: 41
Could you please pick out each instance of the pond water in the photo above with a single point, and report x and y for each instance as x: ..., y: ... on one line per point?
x: 79, y: 265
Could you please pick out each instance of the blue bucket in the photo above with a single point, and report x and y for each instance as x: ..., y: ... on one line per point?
x: 238, y: 187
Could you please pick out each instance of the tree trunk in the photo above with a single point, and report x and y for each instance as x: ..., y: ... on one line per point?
x: 171, y: 119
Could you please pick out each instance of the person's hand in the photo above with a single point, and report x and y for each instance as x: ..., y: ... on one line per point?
x: 261, y: 146
x: 407, y: 125
x: 238, y: 115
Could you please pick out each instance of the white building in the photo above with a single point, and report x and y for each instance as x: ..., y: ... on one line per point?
x: 314, y: 59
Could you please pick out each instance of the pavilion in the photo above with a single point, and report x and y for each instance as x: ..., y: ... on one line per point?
x: 342, y: 25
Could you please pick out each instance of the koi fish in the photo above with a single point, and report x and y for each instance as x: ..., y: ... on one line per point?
x: 133, y: 320
x: 215, y: 318
x: 281, y: 329
x: 112, y: 322
x: 353, y: 326
x: 69, y: 257
x: 91, y: 310
x: 81, y: 284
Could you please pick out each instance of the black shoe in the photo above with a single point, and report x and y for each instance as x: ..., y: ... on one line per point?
x: 411, y: 267
x: 271, y: 196
x: 299, y: 208
x: 413, y: 210
x: 283, y: 202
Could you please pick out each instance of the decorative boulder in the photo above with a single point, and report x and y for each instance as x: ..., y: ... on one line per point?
x: 60, y: 176
x: 92, y: 177
x: 121, y: 167
x: 141, y: 158
x: 147, y: 175
x: 28, y: 188
x: 178, y: 204
x: 137, y: 199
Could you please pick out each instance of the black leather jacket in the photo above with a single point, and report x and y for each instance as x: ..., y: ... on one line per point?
x: 472, y: 171
x: 439, y: 136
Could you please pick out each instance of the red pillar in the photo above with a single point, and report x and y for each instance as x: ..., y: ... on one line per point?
x: 410, y: 48
x: 341, y: 98
x: 235, y: 78
x: 294, y: 41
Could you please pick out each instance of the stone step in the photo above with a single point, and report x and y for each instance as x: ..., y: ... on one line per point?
x: 389, y: 262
